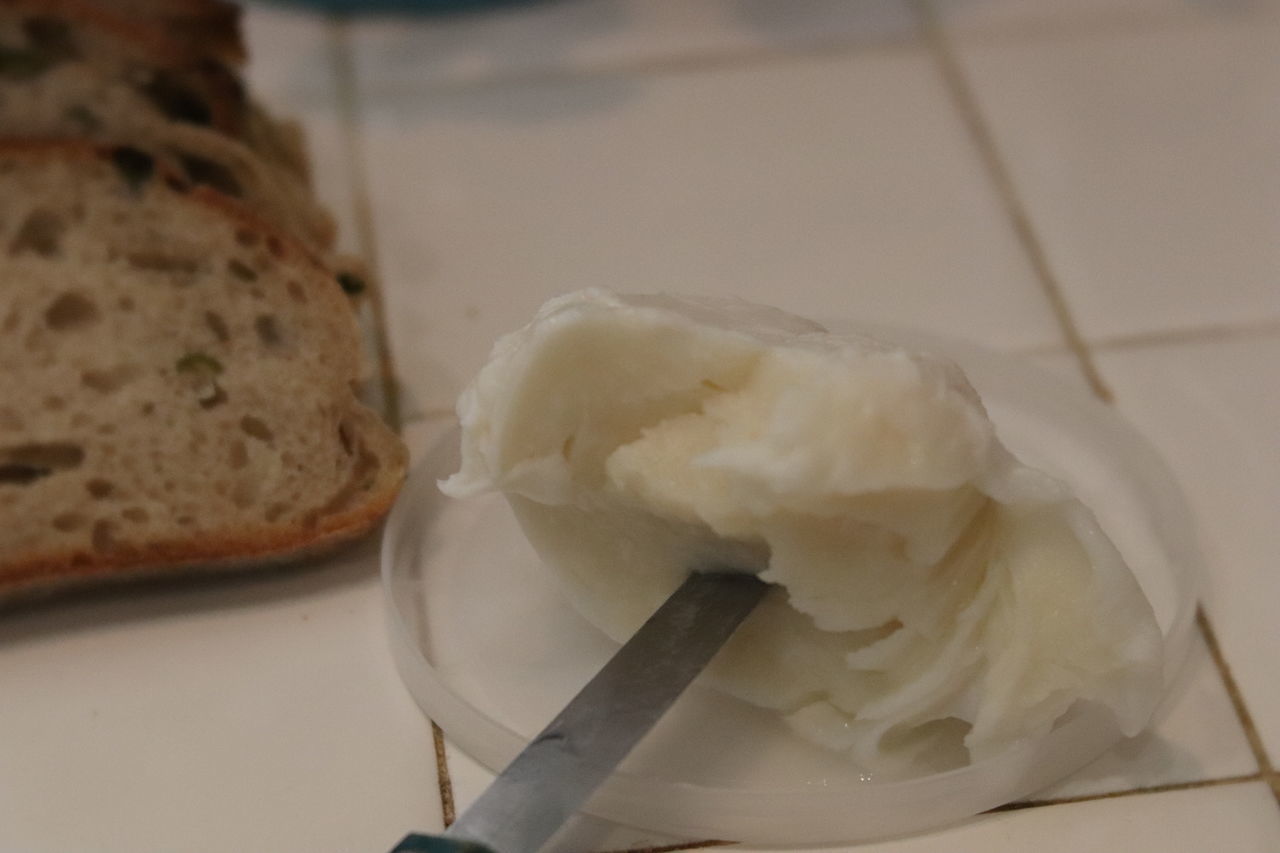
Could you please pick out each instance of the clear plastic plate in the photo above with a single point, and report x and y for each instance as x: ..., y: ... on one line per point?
x: 491, y: 651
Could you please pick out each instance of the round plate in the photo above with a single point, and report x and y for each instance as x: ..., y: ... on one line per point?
x: 491, y: 650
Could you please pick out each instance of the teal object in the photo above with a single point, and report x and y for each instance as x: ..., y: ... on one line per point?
x: 418, y: 843
x: 412, y: 6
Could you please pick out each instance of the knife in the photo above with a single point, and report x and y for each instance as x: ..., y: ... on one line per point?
x: 560, y: 768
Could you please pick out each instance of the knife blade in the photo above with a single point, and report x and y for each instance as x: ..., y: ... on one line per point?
x: 561, y: 767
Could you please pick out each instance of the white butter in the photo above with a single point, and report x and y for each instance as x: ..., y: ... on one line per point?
x: 934, y: 597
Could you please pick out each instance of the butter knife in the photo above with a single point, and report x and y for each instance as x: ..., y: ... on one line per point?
x: 560, y: 768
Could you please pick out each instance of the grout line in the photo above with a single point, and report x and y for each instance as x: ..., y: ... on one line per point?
x: 1188, y: 335
x: 1237, y: 702
x: 1108, y: 23
x: 448, y: 809
x: 1128, y: 792
x: 954, y: 79
x: 349, y: 119
x: 1159, y: 337
x: 673, y: 848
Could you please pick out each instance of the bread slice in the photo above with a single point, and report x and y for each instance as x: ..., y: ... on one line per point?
x: 92, y: 75
x: 133, y: 66
x: 206, y: 26
x: 175, y: 379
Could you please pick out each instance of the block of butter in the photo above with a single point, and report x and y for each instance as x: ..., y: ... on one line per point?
x: 935, y: 601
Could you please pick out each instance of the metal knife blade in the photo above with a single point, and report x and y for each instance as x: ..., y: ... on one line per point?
x: 560, y: 768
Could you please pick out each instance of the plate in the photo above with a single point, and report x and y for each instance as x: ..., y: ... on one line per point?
x: 491, y: 651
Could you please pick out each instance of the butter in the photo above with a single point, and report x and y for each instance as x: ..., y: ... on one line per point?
x: 934, y: 600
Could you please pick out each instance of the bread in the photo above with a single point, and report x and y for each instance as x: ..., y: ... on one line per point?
x: 175, y: 378
x: 138, y: 68
x: 205, y: 26
x: 93, y: 76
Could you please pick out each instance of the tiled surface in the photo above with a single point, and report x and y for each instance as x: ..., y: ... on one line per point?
x: 224, y: 715
x: 1145, y: 158
x: 734, y: 181
x: 823, y: 159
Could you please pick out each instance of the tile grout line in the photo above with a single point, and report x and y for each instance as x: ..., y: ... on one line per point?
x: 362, y: 211
x: 1022, y: 805
x: 1243, y: 715
x: 980, y: 133
x: 1188, y: 335
x: 675, y: 848
x: 1121, y: 24
x: 448, y: 808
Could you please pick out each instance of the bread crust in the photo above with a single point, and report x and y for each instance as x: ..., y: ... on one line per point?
x: 144, y: 33
x: 228, y: 550
x: 211, y: 26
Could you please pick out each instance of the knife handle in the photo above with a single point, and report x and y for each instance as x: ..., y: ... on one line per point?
x: 418, y: 843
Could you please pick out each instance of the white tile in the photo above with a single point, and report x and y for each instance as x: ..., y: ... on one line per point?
x: 1195, y: 736
x: 247, y: 713
x: 1147, y: 162
x: 1240, y: 818
x: 1213, y: 410
x: 838, y: 188
x: 580, y: 36
x: 1026, y: 17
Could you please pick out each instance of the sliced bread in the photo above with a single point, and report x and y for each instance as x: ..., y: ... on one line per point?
x: 50, y: 87
x: 175, y: 379
x: 137, y: 65
x: 207, y: 26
